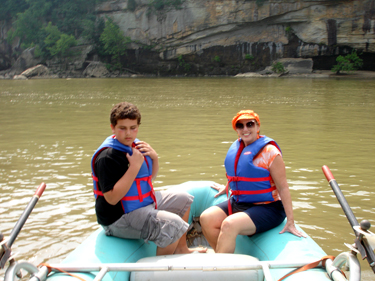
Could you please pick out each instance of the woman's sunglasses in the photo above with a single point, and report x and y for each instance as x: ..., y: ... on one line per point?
x: 249, y: 125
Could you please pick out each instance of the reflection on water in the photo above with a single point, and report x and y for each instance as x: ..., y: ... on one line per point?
x: 50, y: 128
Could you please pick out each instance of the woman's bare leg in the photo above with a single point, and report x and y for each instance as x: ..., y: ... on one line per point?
x: 211, y: 220
x: 236, y: 224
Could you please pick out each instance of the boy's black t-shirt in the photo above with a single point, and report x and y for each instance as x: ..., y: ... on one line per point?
x: 110, y: 166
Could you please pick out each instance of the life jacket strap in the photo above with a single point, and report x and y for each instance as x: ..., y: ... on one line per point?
x: 228, y: 196
x: 245, y: 192
x: 236, y: 179
x: 98, y: 192
x: 140, y: 196
x: 252, y: 192
x: 94, y: 177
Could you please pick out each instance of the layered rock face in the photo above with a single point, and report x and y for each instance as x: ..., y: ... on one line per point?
x: 210, y: 37
x: 241, y: 35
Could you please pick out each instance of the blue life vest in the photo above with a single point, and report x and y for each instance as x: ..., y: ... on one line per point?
x: 141, y: 192
x: 249, y: 183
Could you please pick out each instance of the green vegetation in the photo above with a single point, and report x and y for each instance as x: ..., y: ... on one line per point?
x: 92, y: 29
x: 278, y: 67
x: 132, y: 5
x: 182, y: 63
x: 349, y: 63
x: 288, y: 30
x: 260, y: 2
x: 249, y: 57
x: 164, y: 5
x: 217, y: 59
x: 114, y: 43
x: 54, y: 26
x: 63, y: 45
x: 51, y: 26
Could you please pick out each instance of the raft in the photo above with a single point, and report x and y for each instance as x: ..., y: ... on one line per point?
x: 267, y: 256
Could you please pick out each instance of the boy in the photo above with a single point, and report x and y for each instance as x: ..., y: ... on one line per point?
x: 126, y: 205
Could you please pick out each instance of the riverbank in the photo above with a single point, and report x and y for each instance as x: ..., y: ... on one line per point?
x: 294, y: 68
x: 315, y: 74
x: 319, y: 74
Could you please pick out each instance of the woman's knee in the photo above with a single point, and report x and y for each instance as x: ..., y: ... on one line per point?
x: 212, y: 217
x: 238, y: 224
x: 227, y: 225
x: 205, y: 218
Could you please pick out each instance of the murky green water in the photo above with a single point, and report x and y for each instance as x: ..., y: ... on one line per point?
x: 50, y: 128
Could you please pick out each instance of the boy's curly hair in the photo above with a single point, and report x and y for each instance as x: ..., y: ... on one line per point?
x: 125, y: 110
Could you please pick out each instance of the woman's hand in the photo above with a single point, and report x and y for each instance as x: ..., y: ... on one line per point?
x: 220, y: 188
x: 290, y: 227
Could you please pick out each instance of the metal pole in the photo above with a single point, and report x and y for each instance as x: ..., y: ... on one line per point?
x: 21, y: 221
x: 340, y: 197
x: 361, y: 244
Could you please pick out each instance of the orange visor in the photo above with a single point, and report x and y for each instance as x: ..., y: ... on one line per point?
x: 245, y: 114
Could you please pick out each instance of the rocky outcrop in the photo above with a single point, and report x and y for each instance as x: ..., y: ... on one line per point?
x: 231, y: 30
x: 291, y: 67
x: 96, y: 69
x: 19, y: 77
x: 297, y: 66
x: 227, y: 37
x: 205, y: 23
x: 39, y: 70
x: 24, y: 61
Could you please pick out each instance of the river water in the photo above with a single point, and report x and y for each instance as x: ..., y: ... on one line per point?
x: 50, y: 129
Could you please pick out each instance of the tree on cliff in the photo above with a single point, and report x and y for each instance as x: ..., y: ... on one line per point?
x: 31, y: 16
x: 62, y: 48
x: 114, y: 43
x: 349, y: 63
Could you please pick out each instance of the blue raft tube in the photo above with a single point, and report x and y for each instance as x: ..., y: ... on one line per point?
x: 267, y: 256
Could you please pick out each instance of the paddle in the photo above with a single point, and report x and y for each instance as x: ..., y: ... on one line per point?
x: 361, y: 244
x: 5, y: 249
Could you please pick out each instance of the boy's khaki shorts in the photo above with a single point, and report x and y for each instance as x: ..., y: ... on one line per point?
x: 163, y: 226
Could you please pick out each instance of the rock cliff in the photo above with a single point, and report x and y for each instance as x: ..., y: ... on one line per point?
x: 239, y: 35
x: 217, y: 37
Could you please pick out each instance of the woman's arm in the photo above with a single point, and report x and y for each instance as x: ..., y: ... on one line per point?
x: 278, y: 175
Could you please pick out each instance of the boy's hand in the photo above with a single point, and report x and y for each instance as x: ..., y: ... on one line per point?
x: 136, y: 159
x: 146, y: 150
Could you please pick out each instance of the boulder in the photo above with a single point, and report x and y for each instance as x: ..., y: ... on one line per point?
x: 297, y: 66
x: 249, y: 74
x: 19, y: 77
x: 82, y: 52
x: 39, y: 70
x: 96, y: 69
x: 25, y: 61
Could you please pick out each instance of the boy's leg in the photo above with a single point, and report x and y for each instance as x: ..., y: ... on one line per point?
x: 182, y: 247
x: 178, y: 203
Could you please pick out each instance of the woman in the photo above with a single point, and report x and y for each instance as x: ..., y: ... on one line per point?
x: 260, y: 193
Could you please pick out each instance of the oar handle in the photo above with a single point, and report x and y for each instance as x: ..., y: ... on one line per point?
x: 21, y: 221
x: 40, y: 190
x: 327, y: 172
x: 340, y: 197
